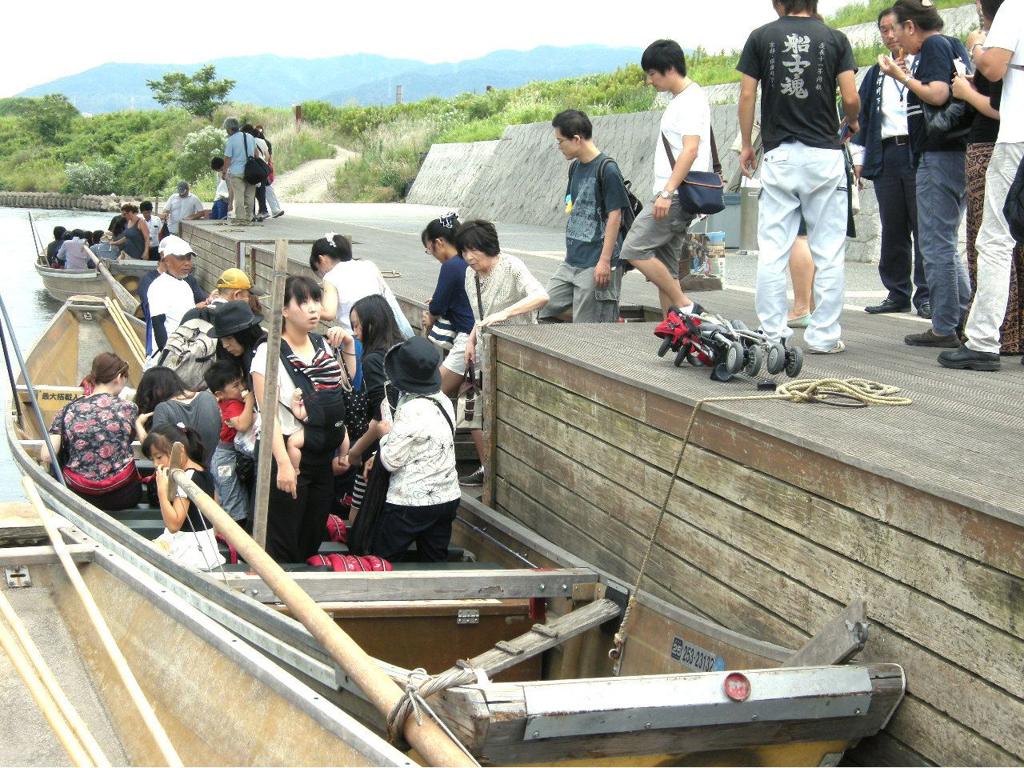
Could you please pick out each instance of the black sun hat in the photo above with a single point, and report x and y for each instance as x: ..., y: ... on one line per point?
x: 231, y: 317
x: 412, y: 366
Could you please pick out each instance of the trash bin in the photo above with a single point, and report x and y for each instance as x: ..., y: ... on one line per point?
x: 749, y: 197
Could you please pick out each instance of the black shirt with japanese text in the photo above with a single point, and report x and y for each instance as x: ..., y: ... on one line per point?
x: 797, y: 60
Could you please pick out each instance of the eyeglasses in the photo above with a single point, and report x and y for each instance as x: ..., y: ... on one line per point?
x: 563, y: 138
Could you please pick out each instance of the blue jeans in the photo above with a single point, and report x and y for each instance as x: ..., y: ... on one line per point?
x: 233, y: 497
x: 941, y: 200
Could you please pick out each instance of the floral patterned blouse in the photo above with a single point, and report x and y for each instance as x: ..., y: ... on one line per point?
x: 97, y: 431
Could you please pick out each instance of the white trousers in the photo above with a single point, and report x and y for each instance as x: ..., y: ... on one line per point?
x: 799, y: 179
x: 995, y: 249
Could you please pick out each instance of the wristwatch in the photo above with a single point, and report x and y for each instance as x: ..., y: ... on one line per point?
x: 665, y: 195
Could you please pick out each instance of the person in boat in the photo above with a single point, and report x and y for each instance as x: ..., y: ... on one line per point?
x: 134, y: 239
x: 183, y: 206
x: 373, y: 325
x: 153, y: 225
x: 347, y: 280
x: 163, y: 398
x: 188, y: 536
x: 54, y: 246
x: 301, y: 501
x: 75, y: 253
x: 168, y: 295
x: 234, y: 285
x: 418, y: 448
x: 236, y: 403
x: 448, y: 318
x: 237, y: 330
x: 93, y: 439
x: 502, y: 291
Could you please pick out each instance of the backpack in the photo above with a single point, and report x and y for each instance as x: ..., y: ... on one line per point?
x: 629, y: 213
x: 325, y: 409
x: 189, y: 352
x: 1013, y: 209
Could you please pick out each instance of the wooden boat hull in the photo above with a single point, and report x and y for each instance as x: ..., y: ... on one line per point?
x: 515, y: 722
x: 62, y: 284
x: 221, y: 701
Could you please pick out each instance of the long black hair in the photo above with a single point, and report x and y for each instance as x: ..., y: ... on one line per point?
x: 163, y: 437
x: 156, y: 386
x: 379, y: 329
x: 249, y: 338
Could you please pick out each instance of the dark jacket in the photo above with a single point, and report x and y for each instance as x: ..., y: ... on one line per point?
x: 870, y: 136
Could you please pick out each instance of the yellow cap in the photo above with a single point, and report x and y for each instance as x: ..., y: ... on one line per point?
x: 232, y: 279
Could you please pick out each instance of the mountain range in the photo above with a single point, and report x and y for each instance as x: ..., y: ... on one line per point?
x: 364, y: 79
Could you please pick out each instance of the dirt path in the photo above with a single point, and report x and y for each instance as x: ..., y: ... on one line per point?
x: 311, y: 182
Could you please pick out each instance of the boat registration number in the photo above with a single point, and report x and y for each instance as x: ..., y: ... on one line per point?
x: 695, y: 657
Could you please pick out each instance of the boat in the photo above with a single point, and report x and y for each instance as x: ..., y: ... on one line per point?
x: 183, y: 661
x: 62, y: 284
x: 523, y: 638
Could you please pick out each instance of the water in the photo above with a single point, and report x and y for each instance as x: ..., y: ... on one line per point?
x: 28, y: 305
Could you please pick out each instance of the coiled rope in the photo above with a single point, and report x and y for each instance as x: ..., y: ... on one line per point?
x: 848, y: 393
x: 418, y: 686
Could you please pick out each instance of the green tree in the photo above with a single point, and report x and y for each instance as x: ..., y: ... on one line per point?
x: 48, y: 117
x: 199, y: 94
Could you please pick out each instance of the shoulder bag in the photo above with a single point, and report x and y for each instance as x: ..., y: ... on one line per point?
x: 701, y: 191
x: 949, y: 122
x: 256, y: 171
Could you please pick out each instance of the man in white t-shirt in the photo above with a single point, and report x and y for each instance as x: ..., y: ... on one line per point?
x: 153, y: 225
x: 183, y: 206
x: 655, y: 241
x: 169, y: 296
x: 1000, y: 57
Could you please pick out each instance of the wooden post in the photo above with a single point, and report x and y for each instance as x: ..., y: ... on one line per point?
x: 490, y: 417
x: 106, y: 637
x: 427, y: 737
x: 268, y: 415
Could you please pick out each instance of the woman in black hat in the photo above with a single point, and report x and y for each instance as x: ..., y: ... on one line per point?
x: 237, y: 329
x: 418, y: 448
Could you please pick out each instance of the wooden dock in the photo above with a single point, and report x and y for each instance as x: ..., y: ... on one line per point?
x: 785, y: 512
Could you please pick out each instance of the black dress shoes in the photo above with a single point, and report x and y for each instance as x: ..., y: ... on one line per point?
x: 965, y: 358
x: 887, y: 306
x: 925, y: 310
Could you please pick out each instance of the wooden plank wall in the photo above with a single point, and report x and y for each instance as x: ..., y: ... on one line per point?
x: 772, y: 540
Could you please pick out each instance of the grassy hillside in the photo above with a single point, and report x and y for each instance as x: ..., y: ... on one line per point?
x: 46, y: 145
x: 864, y: 12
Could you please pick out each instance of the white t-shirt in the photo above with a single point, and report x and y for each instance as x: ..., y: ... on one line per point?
x: 179, y: 208
x: 354, y: 280
x: 1008, y: 33
x: 285, y: 387
x: 223, y: 193
x: 170, y: 297
x: 154, y: 225
x: 688, y: 114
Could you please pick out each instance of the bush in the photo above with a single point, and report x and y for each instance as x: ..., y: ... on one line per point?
x: 198, y: 148
x: 96, y: 178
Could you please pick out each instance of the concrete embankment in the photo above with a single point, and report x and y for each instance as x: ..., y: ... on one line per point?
x: 64, y: 201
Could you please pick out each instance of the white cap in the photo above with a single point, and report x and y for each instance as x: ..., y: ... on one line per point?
x: 172, y: 245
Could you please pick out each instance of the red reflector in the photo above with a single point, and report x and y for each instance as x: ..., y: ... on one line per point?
x: 737, y: 687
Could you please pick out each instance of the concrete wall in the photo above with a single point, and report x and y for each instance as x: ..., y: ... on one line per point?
x: 63, y: 201
x: 449, y: 173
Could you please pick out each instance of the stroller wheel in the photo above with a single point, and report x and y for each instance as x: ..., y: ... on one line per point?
x: 666, y: 344
x: 734, y: 357
x: 794, y: 362
x: 755, y: 359
x: 776, y: 358
x: 682, y: 355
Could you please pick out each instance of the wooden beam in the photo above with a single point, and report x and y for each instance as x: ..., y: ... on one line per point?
x: 42, y: 555
x: 423, y: 585
x: 543, y: 637
x: 270, y: 385
x: 836, y: 642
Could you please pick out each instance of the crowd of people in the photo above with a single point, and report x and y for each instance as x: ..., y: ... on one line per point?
x: 365, y: 412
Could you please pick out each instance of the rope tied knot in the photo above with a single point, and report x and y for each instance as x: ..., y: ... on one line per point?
x: 410, y: 703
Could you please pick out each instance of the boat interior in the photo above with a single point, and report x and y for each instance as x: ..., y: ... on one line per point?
x: 528, y: 630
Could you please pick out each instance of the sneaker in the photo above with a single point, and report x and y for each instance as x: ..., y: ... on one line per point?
x: 931, y: 339
x: 473, y: 479
x: 261, y: 216
x: 835, y: 349
x: 279, y: 213
x: 968, y: 359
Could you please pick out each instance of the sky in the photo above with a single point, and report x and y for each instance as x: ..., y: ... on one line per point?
x: 36, y: 51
